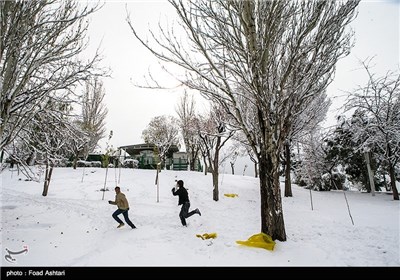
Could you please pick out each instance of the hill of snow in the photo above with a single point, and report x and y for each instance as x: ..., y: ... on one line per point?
x: 73, y: 226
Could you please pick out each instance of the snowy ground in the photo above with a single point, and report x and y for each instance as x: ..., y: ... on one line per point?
x: 73, y: 226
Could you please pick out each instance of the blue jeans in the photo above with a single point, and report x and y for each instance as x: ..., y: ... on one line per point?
x: 126, y: 217
x: 185, y: 212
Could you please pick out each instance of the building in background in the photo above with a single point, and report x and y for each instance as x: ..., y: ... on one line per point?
x: 147, y: 157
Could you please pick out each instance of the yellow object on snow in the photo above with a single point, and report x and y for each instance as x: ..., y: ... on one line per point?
x: 207, y: 235
x: 231, y: 194
x: 260, y: 240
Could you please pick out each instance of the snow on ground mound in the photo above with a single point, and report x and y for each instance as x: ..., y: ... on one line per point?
x: 73, y: 226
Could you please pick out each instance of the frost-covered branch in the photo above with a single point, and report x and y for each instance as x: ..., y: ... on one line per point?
x: 377, y: 118
x: 40, y: 46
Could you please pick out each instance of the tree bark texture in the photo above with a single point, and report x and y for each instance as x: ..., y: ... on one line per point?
x: 272, y: 222
x: 288, y: 183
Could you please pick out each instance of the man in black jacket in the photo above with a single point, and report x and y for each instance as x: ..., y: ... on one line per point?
x: 184, y: 201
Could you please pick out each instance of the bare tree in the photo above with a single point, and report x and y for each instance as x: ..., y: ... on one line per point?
x: 79, y: 144
x: 162, y: 131
x: 203, y: 150
x: 233, y: 159
x: 39, y: 46
x: 307, y: 121
x: 258, y: 47
x: 214, y: 134
x: 246, y: 149
x: 238, y: 148
x: 94, y: 113
x: 50, y: 135
x: 187, y: 120
x: 313, y: 163
x: 106, y: 160
x: 254, y: 159
x: 378, y: 102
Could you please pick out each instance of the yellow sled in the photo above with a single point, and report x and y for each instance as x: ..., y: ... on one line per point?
x: 207, y: 235
x: 260, y: 240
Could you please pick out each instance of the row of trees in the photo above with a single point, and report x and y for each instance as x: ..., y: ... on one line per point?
x: 372, y: 133
x: 43, y: 118
x: 203, y: 135
x: 262, y: 63
x: 320, y: 159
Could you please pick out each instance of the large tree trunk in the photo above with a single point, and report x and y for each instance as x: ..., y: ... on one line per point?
x: 191, y: 164
x: 370, y: 173
x: 272, y: 222
x: 193, y: 158
x: 366, y: 181
x: 215, y: 175
x: 393, y: 182
x: 47, y: 178
x: 256, y: 169
x: 387, y: 188
x: 215, y: 171
x: 205, y: 165
x: 288, y: 184
x: 75, y: 162
x: 392, y: 176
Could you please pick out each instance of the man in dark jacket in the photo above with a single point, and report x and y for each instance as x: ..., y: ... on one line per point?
x: 184, y: 201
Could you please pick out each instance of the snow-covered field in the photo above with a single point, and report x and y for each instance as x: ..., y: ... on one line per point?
x: 73, y: 226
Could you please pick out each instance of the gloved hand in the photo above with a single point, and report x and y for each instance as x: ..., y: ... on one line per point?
x: 109, y: 202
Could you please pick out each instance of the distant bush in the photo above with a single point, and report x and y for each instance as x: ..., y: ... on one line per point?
x: 298, y: 179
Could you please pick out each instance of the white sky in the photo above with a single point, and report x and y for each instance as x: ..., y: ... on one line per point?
x: 73, y: 226
x: 131, y: 108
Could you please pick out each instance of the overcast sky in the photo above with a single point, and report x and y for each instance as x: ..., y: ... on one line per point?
x: 130, y: 109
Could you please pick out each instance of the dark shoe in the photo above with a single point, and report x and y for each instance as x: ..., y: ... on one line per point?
x: 198, y: 211
x: 120, y: 225
x: 133, y: 227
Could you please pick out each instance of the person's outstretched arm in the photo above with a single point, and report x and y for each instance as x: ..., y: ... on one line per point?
x: 175, y: 190
x: 112, y: 202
